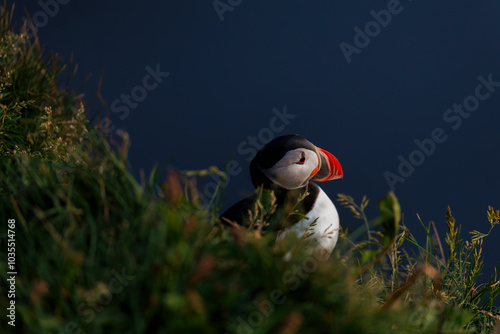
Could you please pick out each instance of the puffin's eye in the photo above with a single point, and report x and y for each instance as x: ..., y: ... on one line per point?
x: 301, y: 161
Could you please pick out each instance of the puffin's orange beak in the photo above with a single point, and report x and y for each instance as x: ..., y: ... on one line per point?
x: 328, y: 168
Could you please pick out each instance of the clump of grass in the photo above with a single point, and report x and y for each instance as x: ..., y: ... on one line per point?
x: 40, y: 114
x: 97, y: 252
x: 451, y: 280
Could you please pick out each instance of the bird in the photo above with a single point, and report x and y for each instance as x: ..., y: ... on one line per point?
x: 287, y: 165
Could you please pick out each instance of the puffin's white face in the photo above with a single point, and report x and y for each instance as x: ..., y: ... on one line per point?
x: 295, y: 169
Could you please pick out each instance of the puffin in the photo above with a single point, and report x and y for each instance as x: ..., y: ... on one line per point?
x: 287, y: 166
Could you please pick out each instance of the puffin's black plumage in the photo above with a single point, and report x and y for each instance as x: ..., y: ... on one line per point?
x: 238, y: 213
x: 285, y: 166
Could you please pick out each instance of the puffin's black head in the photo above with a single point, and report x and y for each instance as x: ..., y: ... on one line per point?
x: 290, y: 162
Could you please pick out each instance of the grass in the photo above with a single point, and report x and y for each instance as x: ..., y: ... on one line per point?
x: 40, y: 113
x: 97, y: 252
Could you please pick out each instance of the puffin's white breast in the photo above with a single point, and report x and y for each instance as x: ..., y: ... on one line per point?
x: 324, y: 220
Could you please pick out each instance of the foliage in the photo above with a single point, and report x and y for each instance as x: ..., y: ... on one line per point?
x: 451, y: 281
x: 39, y: 114
x: 96, y: 252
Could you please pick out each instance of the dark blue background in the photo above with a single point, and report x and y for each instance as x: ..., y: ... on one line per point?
x: 227, y: 76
